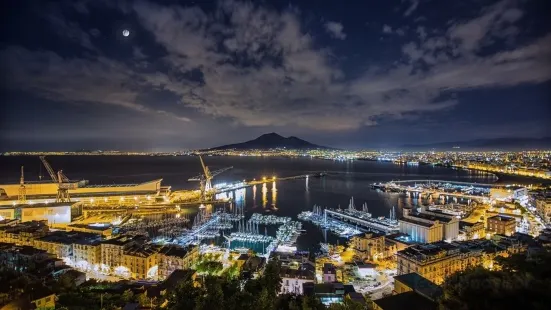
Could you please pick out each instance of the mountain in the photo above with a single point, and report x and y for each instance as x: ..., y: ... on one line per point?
x: 488, y: 144
x: 271, y: 141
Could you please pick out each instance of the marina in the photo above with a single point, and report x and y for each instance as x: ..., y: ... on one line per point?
x: 364, y: 219
x: 350, y: 221
x: 319, y: 218
x: 270, y: 219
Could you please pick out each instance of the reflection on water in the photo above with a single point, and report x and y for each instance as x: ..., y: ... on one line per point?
x: 264, y: 198
x: 274, y: 195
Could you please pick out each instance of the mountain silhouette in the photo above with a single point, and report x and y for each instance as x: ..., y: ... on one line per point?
x: 272, y: 141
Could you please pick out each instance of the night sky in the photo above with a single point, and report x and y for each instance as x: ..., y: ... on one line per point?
x: 194, y: 74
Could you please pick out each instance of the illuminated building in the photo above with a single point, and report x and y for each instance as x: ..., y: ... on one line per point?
x: 23, y: 233
x: 173, y: 257
x: 141, y: 261
x: 87, y: 253
x: 60, y: 243
x: 508, y: 193
x: 112, y: 250
x: 370, y: 246
x: 543, y: 207
x: 420, y: 231
x: 471, y: 231
x: 42, y: 298
x: 502, y: 225
x: 437, y: 261
x: 329, y: 273
x: 294, y: 277
x: 55, y: 214
x: 429, y: 226
x: 327, y: 293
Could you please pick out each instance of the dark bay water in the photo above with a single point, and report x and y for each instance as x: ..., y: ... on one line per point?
x: 344, y: 179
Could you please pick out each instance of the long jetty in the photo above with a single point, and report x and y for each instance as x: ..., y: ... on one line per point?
x: 262, y: 181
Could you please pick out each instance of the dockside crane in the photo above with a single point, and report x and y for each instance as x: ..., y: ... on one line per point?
x: 60, y: 179
x: 22, y: 198
x: 205, y: 179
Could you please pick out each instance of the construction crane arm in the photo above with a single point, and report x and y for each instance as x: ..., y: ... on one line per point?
x: 217, y: 172
x: 63, y: 177
x: 197, y: 178
x: 202, y: 177
x: 49, y: 168
x: 205, y: 168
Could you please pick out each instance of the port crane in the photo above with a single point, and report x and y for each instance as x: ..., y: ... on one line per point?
x: 22, y: 198
x: 60, y: 179
x: 205, y: 179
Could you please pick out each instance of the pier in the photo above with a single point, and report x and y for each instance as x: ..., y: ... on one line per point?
x: 438, y: 189
x: 262, y: 181
x: 351, y: 221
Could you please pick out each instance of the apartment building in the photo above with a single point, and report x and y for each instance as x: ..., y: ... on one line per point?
x: 140, y: 261
x: 87, y: 253
x: 439, y: 260
x: 11, y: 231
x: 502, y: 225
x: 369, y: 246
x: 543, y: 207
x: 173, y: 257
x: 60, y: 243
x: 471, y: 231
x: 113, y: 249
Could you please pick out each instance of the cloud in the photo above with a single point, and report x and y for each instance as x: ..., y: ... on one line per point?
x: 412, y: 7
x: 335, y: 30
x: 255, y: 66
x: 75, y: 80
x: 387, y: 29
x: 492, y: 22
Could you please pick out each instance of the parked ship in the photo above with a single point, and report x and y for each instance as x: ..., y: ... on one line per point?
x: 80, y: 188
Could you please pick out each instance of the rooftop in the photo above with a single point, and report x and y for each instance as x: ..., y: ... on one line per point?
x: 420, y: 284
x: 65, y: 237
x: 408, y: 300
x: 22, y: 250
x: 175, y: 250
x: 501, y: 218
x: 121, y: 240
x: 99, y: 227
x: 305, y: 271
x: 423, y: 250
x: 431, y: 217
x: 141, y: 250
x: 412, y: 221
x: 39, y: 205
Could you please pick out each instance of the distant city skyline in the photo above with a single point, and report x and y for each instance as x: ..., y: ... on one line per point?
x: 172, y: 75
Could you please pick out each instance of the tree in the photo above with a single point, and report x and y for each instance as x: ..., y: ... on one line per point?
x: 349, y: 304
x: 127, y: 296
x: 521, y: 283
x: 65, y: 283
x: 270, y: 279
x: 184, y: 296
